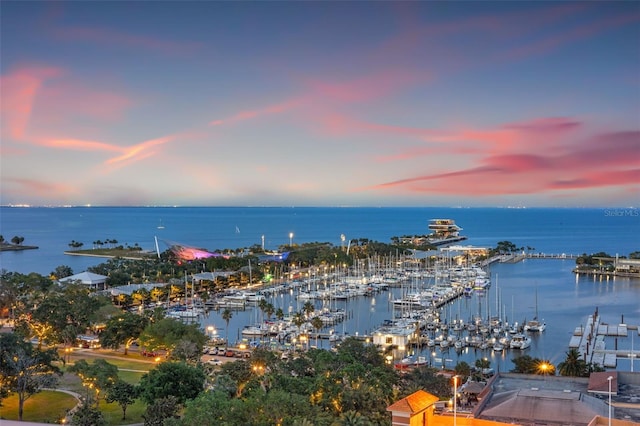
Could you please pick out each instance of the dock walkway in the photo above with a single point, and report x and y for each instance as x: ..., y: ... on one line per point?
x: 590, y: 341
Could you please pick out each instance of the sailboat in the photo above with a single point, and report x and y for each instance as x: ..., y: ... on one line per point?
x: 535, y: 325
x: 160, y: 225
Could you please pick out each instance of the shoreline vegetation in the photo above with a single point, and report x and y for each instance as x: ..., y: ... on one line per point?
x: 16, y: 247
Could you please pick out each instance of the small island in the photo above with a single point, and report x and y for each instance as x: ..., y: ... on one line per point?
x: 14, y: 245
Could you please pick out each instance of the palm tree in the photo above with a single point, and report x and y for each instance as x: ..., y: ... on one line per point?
x: 308, y: 308
x: 353, y: 418
x: 573, y: 365
x: 269, y: 311
x: 317, y: 324
x: 262, y: 305
x: 279, y: 313
x: 298, y: 320
x: 226, y: 316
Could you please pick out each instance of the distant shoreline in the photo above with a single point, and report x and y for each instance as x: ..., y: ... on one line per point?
x: 16, y: 247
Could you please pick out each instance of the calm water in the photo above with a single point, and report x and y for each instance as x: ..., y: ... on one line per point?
x: 563, y: 301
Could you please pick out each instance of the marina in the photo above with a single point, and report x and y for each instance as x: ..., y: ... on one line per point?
x: 462, y: 326
x: 550, y: 237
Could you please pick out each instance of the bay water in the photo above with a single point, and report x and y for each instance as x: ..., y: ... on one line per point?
x: 563, y: 299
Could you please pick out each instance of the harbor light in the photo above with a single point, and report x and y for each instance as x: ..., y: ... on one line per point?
x: 290, y: 239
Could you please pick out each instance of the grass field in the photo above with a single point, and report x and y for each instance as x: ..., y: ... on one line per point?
x: 113, y: 413
x: 51, y: 406
x: 43, y: 407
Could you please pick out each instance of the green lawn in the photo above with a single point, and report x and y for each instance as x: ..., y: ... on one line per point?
x: 113, y: 413
x: 51, y: 406
x: 43, y: 407
x: 130, y: 362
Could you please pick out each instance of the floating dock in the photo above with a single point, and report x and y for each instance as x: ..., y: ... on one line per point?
x: 590, y: 341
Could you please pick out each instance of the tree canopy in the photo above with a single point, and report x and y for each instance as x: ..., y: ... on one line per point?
x: 176, y: 379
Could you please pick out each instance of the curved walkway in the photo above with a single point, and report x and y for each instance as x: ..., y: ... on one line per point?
x: 69, y: 412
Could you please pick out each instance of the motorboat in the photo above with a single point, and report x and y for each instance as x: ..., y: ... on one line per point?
x: 520, y: 341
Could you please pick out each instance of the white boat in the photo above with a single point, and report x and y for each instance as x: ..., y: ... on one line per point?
x: 254, y: 331
x: 535, y: 326
x: 520, y: 341
x: 253, y: 297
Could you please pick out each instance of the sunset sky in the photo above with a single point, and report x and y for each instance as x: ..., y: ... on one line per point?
x: 320, y: 103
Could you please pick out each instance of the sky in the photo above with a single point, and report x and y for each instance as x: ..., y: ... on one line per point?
x: 320, y: 103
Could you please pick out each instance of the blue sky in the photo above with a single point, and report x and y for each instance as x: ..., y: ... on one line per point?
x: 320, y: 103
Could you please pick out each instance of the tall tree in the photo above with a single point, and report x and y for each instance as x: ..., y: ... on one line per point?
x: 97, y: 377
x: 317, y: 324
x: 168, y: 332
x: 24, y: 369
x: 176, y: 379
x: 64, y: 314
x: 227, y: 314
x: 124, y: 394
x: 123, y: 330
x: 160, y: 410
x: 88, y: 415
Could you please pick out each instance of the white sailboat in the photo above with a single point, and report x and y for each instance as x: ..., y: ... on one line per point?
x: 535, y: 325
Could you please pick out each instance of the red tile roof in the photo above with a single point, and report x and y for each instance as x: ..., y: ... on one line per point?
x: 414, y: 403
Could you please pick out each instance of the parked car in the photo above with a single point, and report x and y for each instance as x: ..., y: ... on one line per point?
x: 214, y: 361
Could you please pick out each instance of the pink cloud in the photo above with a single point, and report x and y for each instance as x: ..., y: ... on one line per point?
x: 78, y: 145
x: 524, y: 166
x: 369, y: 87
x: 320, y: 93
x: 65, y: 100
x: 19, y: 90
x: 115, y: 37
x: 128, y: 155
x: 140, y: 151
x: 277, y: 108
x: 591, y: 180
x: 37, y: 188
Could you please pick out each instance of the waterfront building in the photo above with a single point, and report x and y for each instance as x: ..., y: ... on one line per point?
x: 396, y: 336
x: 530, y: 400
x: 93, y: 281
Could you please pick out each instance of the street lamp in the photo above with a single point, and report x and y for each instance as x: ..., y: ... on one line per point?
x: 609, y: 380
x: 290, y: 239
x: 544, y: 367
x: 455, y: 400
